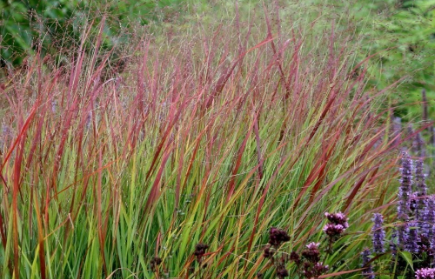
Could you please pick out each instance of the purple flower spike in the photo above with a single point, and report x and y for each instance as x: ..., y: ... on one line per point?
x: 368, y: 271
x: 405, y: 188
x: 378, y: 234
x: 428, y: 218
x: 421, y: 187
x: 402, y: 235
x: 420, y: 178
x: 413, y: 238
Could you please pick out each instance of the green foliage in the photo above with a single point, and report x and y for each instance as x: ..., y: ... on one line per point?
x: 24, y: 22
x: 55, y: 26
x: 401, y: 34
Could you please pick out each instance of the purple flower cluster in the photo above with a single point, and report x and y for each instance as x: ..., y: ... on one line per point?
x: 268, y: 251
x: 337, y: 218
x: 415, y: 232
x: 312, y: 253
x: 312, y: 266
x: 378, y: 233
x: 429, y: 221
x: 336, y: 226
x: 425, y: 273
x: 416, y: 209
x: 276, y: 238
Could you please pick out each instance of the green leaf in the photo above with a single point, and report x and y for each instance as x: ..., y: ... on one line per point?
x: 407, y: 256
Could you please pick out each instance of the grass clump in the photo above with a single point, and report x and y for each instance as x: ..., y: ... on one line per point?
x: 215, y: 132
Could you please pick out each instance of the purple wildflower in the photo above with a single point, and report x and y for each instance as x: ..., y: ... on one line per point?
x: 333, y: 230
x: 378, y: 233
x: 294, y: 257
x: 312, y: 254
x: 268, y: 251
x: 313, y: 246
x: 368, y: 271
x: 282, y: 272
x: 337, y: 219
x: 425, y: 273
x: 319, y: 268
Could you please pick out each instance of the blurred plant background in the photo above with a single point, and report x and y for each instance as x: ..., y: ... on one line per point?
x: 399, y: 35
x: 55, y: 26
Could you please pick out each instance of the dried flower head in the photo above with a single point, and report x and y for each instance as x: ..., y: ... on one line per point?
x: 313, y: 245
x: 200, y: 249
x: 278, y: 236
x: 294, y: 257
x: 312, y: 254
x: 282, y: 272
x: 268, y: 251
x: 155, y: 262
x: 333, y: 230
